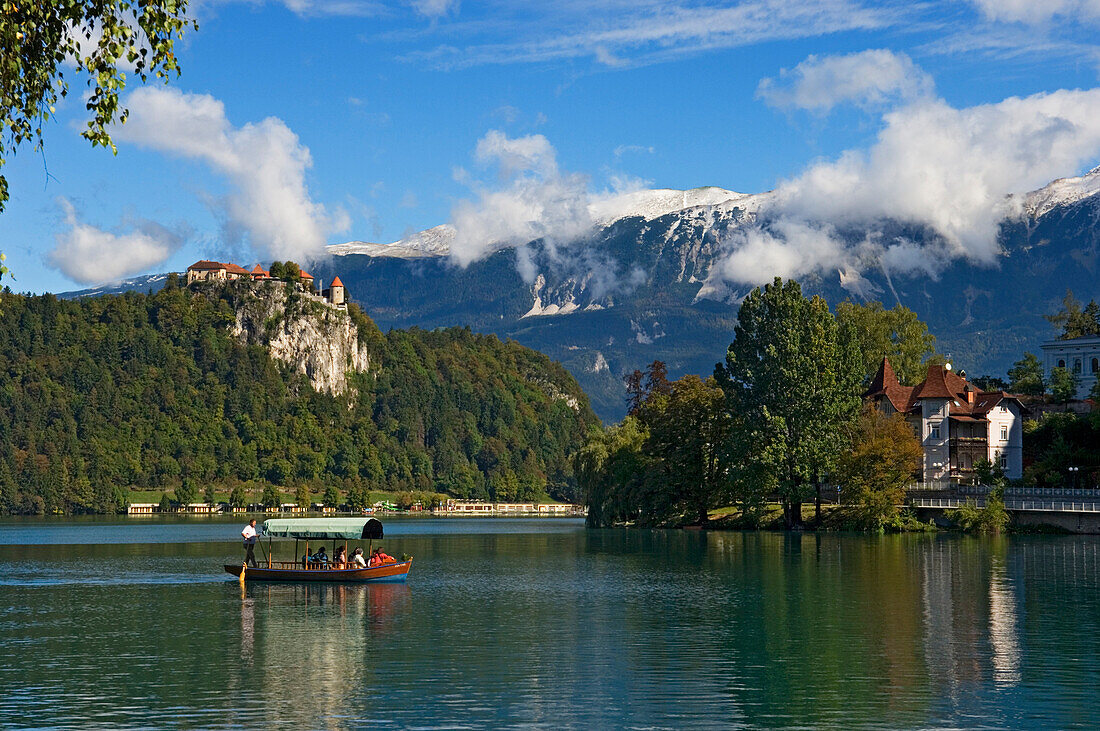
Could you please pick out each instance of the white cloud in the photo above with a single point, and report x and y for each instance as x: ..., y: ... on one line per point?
x: 264, y: 163
x: 434, y: 8
x: 625, y: 149
x: 624, y: 34
x: 1034, y: 12
x: 534, y: 200
x: 91, y: 255
x: 932, y: 165
x: 868, y: 78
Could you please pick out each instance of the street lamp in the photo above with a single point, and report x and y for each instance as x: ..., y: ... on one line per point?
x: 1073, y: 473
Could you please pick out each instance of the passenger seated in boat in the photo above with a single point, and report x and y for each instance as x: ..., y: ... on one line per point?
x: 379, y: 557
x: 357, y: 559
x: 341, y: 559
x: 321, y: 556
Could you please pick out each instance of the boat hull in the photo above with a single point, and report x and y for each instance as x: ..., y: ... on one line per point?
x: 387, y: 573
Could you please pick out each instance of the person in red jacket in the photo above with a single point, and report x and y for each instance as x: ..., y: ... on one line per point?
x: 379, y: 557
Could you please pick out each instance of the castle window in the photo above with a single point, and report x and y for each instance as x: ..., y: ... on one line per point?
x: 1061, y: 363
x: 1095, y: 365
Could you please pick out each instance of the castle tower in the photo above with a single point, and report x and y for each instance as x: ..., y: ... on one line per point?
x: 336, y: 292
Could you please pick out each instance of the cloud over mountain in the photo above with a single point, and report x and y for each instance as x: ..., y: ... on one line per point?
x: 932, y: 165
x: 263, y: 163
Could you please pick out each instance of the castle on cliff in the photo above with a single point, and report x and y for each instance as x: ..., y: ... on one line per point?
x: 217, y: 271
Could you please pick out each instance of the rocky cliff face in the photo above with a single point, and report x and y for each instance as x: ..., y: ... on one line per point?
x: 319, y: 341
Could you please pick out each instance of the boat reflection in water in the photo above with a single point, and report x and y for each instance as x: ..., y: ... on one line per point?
x: 312, y: 641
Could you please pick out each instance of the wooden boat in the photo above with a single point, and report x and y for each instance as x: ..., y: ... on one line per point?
x: 320, y: 529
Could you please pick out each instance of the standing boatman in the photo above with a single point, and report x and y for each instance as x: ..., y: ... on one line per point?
x: 249, y: 535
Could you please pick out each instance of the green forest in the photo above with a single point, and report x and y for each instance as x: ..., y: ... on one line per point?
x: 103, y: 396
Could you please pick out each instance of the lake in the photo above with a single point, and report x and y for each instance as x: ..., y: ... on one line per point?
x: 541, y: 623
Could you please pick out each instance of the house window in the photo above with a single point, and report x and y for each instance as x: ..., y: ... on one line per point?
x: 1004, y: 433
x: 1061, y: 363
x: 934, y: 431
x: 1095, y: 365
x: 1004, y: 462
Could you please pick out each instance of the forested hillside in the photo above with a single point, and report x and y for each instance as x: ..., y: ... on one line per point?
x: 103, y: 395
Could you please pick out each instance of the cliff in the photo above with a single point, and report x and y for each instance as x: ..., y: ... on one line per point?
x: 318, y: 340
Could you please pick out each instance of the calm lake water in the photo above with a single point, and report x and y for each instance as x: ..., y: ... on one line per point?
x: 116, y: 623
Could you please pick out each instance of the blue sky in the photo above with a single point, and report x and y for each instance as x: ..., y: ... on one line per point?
x: 375, y: 111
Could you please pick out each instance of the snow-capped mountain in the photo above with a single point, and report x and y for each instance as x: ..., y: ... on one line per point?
x: 604, y: 210
x: 1061, y: 192
x: 640, y: 287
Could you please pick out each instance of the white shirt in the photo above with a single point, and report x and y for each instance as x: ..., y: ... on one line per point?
x: 357, y: 559
x: 249, y: 534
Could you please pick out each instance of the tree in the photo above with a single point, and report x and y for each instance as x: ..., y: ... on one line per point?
x: 883, y: 456
x: 687, y: 441
x: 101, y: 38
x: 1075, y: 321
x: 271, y: 497
x: 612, y: 474
x: 1063, y: 385
x: 186, y: 493
x: 1026, y: 376
x: 641, y: 386
x: 792, y: 378
x: 165, y: 504
x: 992, y: 517
x: 331, y: 498
x: 1094, y: 392
x: 990, y: 383
x: 237, y: 498
x: 896, y: 333
x: 208, y: 495
x: 301, y: 496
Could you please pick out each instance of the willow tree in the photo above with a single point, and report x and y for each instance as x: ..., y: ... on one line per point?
x: 792, y: 377
x: 98, y: 39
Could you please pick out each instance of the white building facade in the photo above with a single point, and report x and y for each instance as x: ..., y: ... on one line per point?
x: 958, y: 424
x: 1079, y: 356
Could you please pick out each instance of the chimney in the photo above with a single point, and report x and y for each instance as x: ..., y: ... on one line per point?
x: 970, y: 395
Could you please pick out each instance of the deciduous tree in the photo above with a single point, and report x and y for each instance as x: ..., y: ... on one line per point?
x: 1026, y: 376
x: 1063, y: 385
x: 101, y: 39
x: 881, y: 460
x: 687, y: 445
x: 896, y: 333
x: 792, y: 378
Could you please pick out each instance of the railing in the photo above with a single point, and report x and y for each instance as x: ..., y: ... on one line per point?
x: 1050, y: 506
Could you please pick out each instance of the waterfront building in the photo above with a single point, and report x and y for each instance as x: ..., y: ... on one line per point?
x: 958, y: 424
x: 1080, y: 356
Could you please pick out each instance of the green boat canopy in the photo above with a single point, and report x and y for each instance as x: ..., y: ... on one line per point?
x: 348, y: 529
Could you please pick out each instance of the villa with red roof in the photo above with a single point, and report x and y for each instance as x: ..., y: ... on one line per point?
x: 958, y: 424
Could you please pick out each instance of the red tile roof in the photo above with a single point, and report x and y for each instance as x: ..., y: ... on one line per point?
x: 234, y: 269
x: 885, y: 384
x: 337, y: 283
x: 934, y: 385
x: 204, y: 265
x: 304, y: 274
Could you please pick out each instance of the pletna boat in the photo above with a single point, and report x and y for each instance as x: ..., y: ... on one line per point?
x: 320, y: 529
